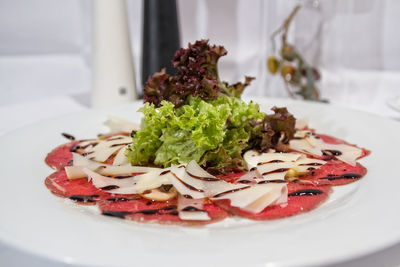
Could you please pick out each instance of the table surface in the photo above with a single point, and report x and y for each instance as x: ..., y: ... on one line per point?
x: 30, y: 112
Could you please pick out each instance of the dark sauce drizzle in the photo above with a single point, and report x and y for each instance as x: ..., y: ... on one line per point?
x: 68, y: 136
x: 171, y: 207
x: 117, y: 199
x: 122, y: 176
x: 109, y: 187
x: 268, y: 162
x: 191, y: 208
x: 272, y: 181
x: 118, y: 214
x: 83, y: 198
x: 311, y: 164
x: 231, y: 191
x: 165, y: 172
x: 276, y: 171
x: 122, y: 214
x: 115, y: 138
x: 350, y: 176
x: 188, y: 185
x: 74, y: 148
x: 207, y: 179
x: 87, y: 153
x: 331, y: 152
x: 148, y: 212
x: 306, y: 192
x: 124, y: 144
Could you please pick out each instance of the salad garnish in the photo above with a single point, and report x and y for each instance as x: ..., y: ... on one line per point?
x: 193, y: 115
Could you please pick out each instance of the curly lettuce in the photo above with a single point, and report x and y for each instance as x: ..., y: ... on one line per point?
x: 213, y: 133
x: 193, y: 115
x: 196, y: 75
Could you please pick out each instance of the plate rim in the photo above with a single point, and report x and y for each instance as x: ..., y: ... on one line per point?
x: 47, y: 256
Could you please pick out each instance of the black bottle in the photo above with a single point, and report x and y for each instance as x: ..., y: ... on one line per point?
x: 160, y: 37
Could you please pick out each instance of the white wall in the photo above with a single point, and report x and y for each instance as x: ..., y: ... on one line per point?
x: 45, y: 44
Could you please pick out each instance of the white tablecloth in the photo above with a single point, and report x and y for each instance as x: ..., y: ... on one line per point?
x: 18, y: 115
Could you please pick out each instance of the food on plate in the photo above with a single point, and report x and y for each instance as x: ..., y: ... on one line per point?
x: 202, y: 154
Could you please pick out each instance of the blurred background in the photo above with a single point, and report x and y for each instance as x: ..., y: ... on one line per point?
x: 45, y: 46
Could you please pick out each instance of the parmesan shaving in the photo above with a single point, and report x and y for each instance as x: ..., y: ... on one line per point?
x: 105, y: 148
x: 309, y: 144
x: 79, y: 163
x: 116, y: 125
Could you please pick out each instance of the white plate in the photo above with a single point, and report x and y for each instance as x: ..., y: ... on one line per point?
x: 394, y: 103
x: 357, y: 220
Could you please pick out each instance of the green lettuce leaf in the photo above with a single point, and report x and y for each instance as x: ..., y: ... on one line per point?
x: 213, y: 133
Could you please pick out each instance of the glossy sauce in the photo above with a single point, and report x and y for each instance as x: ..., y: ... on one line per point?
x: 306, y: 192
x: 332, y: 177
x: 68, y: 136
x: 83, y: 198
x: 231, y: 191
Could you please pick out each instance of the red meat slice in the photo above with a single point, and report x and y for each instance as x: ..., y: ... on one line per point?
x: 301, y: 198
x: 336, y: 172
x: 231, y: 177
x: 143, y: 210
x: 80, y: 190
x: 61, y: 156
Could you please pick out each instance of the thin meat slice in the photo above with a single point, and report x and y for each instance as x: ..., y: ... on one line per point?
x: 231, y: 177
x: 335, y: 172
x: 301, y: 198
x: 143, y: 210
x: 80, y: 190
x: 61, y: 156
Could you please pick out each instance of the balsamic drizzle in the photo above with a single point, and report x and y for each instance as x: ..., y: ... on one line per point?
x: 122, y: 214
x: 191, y: 208
x: 276, y: 171
x: 207, y: 179
x: 272, y: 181
x: 123, y: 144
x: 117, y: 199
x: 109, y: 187
x: 350, y: 176
x: 114, y: 138
x: 68, y: 136
x: 268, y: 162
x: 331, y: 152
x: 118, y: 214
x: 306, y: 192
x: 188, y: 185
x: 83, y: 198
x: 122, y: 176
x: 231, y: 191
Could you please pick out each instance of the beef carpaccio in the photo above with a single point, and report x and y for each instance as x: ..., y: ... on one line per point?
x: 276, y: 184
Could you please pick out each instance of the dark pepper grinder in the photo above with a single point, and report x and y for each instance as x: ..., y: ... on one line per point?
x: 160, y: 37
